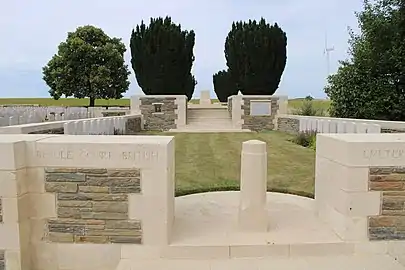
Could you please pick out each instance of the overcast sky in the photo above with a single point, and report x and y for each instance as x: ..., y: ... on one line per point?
x: 31, y: 31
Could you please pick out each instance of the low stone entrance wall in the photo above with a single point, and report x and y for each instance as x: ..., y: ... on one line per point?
x: 65, y: 199
x: 360, y: 187
x: 161, y: 112
x: 256, y: 112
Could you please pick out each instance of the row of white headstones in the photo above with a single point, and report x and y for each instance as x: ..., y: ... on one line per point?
x: 101, y: 126
x: 331, y: 126
x: 17, y: 115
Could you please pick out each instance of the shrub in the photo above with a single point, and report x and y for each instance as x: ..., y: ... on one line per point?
x: 306, y: 139
x: 307, y: 109
x: 312, y: 142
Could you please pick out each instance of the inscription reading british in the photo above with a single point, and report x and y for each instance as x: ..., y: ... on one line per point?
x: 384, y: 153
x: 135, y: 156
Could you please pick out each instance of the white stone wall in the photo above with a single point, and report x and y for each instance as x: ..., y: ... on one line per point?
x: 26, y: 206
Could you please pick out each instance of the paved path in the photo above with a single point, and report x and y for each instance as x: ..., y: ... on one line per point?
x: 377, y: 262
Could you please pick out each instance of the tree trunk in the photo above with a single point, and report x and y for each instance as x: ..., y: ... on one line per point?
x: 92, y: 102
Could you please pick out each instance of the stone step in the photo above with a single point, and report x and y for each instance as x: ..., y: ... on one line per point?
x: 210, y: 125
x: 209, y: 119
x: 354, y: 262
x: 208, y: 113
x: 209, y: 130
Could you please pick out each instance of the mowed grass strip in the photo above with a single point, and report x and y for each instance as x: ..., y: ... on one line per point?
x: 63, y: 102
x: 211, y: 161
x: 293, y: 104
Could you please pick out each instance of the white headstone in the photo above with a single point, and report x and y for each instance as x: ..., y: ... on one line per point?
x: 302, y: 125
x: 361, y: 128
x: 341, y: 127
x: 373, y: 128
x: 350, y: 127
x: 314, y: 124
x: 333, y: 127
x: 205, y: 98
x: 319, y: 126
x: 326, y: 126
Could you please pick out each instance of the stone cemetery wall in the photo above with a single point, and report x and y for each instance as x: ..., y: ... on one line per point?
x: 73, y: 202
x: 114, y: 113
x: 19, y: 115
x: 256, y: 112
x: 161, y: 112
x: 359, y: 187
x: 295, y: 125
x: 337, y: 125
x: 259, y: 120
x: 92, y: 205
x: 288, y: 124
x: 2, y: 262
x: 389, y: 180
x: 229, y: 104
x: 124, y: 125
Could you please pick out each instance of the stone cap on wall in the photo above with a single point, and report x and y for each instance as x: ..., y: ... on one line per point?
x: 362, y: 150
x: 20, y: 151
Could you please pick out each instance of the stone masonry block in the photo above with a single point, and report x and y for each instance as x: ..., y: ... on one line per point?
x: 92, y: 205
x: 258, y: 123
x: 1, y: 211
x: 390, y: 224
x: 2, y: 260
x: 164, y: 120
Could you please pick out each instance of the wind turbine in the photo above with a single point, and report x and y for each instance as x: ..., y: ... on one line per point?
x: 327, y: 51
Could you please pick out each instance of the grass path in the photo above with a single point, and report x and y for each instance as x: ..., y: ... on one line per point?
x: 211, y: 161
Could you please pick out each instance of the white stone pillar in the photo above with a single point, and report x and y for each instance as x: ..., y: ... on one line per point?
x: 237, y: 111
x: 253, y: 187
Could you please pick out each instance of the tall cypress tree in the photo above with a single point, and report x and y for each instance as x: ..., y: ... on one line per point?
x: 224, y: 87
x: 162, y: 58
x: 256, y: 56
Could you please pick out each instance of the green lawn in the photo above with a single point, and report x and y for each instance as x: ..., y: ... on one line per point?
x: 292, y: 103
x: 211, y: 161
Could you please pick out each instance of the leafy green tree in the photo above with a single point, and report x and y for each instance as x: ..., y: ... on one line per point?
x: 370, y: 83
x: 162, y: 58
x: 308, y: 98
x: 223, y: 85
x: 88, y: 64
x: 256, y: 56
